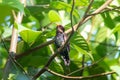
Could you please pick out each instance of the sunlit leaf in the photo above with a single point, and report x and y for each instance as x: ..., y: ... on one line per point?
x: 63, y: 6
x: 29, y: 36
x: 116, y: 68
x: 81, y: 2
x: 7, y: 32
x: 14, y: 3
x: 80, y: 44
x: 78, y: 40
x: 116, y: 29
x: 80, y: 50
x: 108, y: 20
x: 34, y: 22
x: 54, y: 16
x: 5, y: 12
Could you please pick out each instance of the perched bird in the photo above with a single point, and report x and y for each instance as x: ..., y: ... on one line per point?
x: 60, y: 39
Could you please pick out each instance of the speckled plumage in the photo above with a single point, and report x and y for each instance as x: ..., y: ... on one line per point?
x: 60, y: 39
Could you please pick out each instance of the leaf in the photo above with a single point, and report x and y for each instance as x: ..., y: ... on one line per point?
x: 37, y: 61
x: 80, y: 44
x: 116, y: 29
x: 79, y: 49
x: 22, y: 47
x: 54, y: 16
x: 34, y: 21
x: 7, y: 32
x: 14, y: 4
x: 31, y: 22
x: 63, y: 6
x: 29, y: 36
x: 108, y: 20
x: 5, y: 14
x: 116, y: 68
x: 56, y: 67
x: 78, y: 40
x: 81, y: 2
x: 100, y: 36
x: 11, y: 76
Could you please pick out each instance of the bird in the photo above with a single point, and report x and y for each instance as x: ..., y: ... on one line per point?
x: 60, y: 39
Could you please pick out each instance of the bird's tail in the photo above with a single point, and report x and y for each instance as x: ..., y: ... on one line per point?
x: 66, y: 60
x: 65, y: 57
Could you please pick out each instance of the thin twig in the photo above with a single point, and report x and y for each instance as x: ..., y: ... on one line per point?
x: 71, y: 15
x: 80, y: 77
x: 106, y: 10
x: 88, y: 8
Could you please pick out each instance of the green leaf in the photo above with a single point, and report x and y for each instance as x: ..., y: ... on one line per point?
x: 80, y: 44
x: 22, y: 47
x: 35, y: 61
x: 54, y: 16
x: 100, y: 36
x: 81, y: 3
x: 63, y: 6
x: 108, y: 20
x: 34, y: 21
x: 29, y: 36
x: 56, y: 67
x: 80, y: 50
x: 11, y: 76
x: 7, y: 32
x: 5, y: 14
x: 78, y: 40
x: 14, y: 4
x: 116, y: 68
x: 21, y: 27
x: 116, y: 29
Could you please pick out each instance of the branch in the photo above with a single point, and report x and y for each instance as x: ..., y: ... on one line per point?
x: 106, y: 10
x: 88, y: 17
x: 88, y: 8
x: 96, y: 62
x: 80, y: 77
x: 67, y: 32
x: 71, y: 16
x: 18, y: 19
x: 34, y: 49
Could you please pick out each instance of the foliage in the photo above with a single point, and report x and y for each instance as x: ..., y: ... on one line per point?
x: 96, y: 39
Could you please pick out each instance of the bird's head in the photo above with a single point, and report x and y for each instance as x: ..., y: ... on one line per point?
x: 60, y: 28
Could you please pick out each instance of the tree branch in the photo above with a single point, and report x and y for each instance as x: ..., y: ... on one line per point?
x: 34, y: 49
x: 101, y: 8
x: 96, y: 62
x: 79, y: 77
